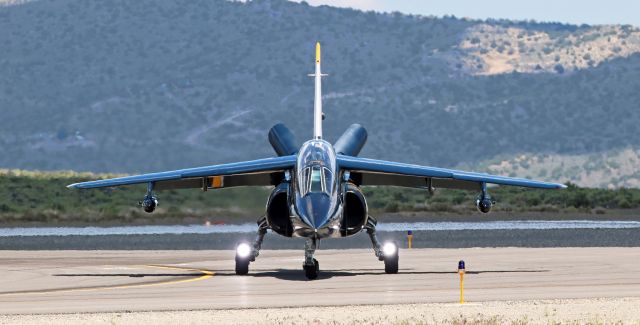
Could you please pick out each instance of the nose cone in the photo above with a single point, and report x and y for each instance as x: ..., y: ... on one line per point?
x: 316, y: 209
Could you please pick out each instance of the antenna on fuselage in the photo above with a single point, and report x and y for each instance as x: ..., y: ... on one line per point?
x: 317, y: 102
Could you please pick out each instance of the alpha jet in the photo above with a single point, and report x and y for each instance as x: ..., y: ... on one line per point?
x: 316, y: 187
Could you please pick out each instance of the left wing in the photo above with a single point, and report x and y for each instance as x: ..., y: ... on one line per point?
x: 248, y: 173
x: 379, y: 172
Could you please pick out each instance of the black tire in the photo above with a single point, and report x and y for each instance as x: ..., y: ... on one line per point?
x: 242, y: 266
x: 391, y: 263
x: 312, y: 271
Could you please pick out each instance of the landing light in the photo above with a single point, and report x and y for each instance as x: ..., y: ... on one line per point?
x: 389, y: 249
x: 243, y: 250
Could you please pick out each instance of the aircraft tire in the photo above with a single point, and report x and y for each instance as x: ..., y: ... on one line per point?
x: 391, y: 263
x: 312, y: 271
x: 242, y: 266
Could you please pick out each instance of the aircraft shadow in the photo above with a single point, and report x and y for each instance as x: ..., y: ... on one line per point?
x: 298, y: 275
x: 131, y: 275
x: 289, y: 274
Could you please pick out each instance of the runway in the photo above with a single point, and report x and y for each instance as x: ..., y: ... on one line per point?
x: 98, y: 281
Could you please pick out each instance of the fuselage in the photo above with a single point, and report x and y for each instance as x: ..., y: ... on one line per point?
x: 319, y: 203
x: 316, y: 209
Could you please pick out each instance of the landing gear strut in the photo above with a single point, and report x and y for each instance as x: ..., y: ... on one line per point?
x: 310, y: 266
x: 389, y: 252
x: 245, y: 253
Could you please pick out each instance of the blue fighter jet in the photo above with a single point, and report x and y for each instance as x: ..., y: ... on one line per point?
x: 316, y: 187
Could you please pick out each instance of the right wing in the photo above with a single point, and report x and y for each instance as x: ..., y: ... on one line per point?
x: 366, y: 171
x: 261, y: 172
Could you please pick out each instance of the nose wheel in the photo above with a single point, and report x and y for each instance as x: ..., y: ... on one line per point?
x: 312, y: 271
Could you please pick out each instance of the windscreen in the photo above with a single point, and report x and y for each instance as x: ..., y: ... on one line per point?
x: 317, y: 179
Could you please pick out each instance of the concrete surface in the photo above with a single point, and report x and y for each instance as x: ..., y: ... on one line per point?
x: 99, y: 281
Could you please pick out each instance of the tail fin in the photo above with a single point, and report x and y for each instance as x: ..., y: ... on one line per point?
x: 317, y: 103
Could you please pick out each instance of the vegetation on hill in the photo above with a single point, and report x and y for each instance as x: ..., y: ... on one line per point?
x: 41, y: 198
x: 141, y: 85
x: 505, y: 48
x: 613, y: 169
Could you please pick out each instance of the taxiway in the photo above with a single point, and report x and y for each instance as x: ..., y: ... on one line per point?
x: 36, y: 282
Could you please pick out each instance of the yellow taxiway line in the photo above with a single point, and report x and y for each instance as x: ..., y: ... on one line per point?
x: 206, y: 274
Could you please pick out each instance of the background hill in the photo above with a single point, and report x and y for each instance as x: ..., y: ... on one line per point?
x: 140, y: 85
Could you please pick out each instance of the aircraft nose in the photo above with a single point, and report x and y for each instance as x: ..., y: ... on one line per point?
x: 319, y: 219
x: 316, y: 208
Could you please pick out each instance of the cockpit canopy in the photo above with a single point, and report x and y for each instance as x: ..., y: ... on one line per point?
x: 315, y: 166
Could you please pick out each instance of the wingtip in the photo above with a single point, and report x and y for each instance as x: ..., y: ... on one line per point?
x: 74, y: 185
x: 562, y: 186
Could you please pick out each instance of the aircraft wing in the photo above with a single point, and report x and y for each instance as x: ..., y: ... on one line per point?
x: 261, y: 172
x: 379, y: 172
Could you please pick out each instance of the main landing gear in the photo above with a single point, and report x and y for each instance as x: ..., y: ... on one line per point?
x: 245, y: 253
x: 388, y: 252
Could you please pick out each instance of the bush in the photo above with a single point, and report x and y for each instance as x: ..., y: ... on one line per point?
x: 392, y: 207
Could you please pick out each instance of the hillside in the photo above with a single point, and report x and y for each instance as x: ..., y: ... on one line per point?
x: 140, y: 85
x: 492, y: 49
x: 605, y: 170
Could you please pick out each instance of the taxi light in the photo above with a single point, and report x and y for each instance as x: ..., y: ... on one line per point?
x: 243, y: 250
x: 389, y: 249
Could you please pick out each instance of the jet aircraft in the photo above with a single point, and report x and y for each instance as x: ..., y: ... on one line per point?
x: 316, y: 187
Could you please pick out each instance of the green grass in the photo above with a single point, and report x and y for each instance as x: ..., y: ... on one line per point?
x: 42, y: 197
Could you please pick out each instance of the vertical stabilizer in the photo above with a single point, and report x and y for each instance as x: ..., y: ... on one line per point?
x: 317, y: 103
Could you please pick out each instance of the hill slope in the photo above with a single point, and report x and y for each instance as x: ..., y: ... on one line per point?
x: 140, y: 85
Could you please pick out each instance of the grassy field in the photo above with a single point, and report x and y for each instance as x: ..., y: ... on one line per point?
x: 28, y: 197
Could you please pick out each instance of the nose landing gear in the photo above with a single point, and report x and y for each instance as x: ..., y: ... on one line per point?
x: 310, y: 266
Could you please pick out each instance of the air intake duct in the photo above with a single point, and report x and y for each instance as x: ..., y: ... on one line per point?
x: 351, y: 141
x: 282, y: 140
